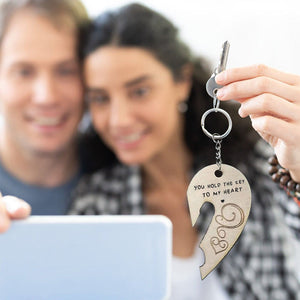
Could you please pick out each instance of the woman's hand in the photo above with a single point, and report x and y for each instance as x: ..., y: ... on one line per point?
x: 12, y: 208
x: 272, y: 100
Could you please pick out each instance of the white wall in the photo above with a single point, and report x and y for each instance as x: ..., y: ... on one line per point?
x: 259, y: 31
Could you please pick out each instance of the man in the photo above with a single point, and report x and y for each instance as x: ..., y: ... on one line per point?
x: 41, y: 105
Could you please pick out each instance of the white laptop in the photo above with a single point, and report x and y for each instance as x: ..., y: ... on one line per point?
x: 86, y: 258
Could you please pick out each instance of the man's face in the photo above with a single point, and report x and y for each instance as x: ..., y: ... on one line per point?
x: 40, y: 85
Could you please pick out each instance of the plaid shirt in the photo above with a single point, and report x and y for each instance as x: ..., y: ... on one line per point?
x: 259, y: 266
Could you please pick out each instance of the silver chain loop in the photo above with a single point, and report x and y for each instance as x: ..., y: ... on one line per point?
x: 218, y: 153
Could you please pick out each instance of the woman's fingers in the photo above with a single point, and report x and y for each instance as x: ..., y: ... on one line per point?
x: 244, y: 73
x: 276, y: 129
x: 272, y: 100
x: 283, y: 137
x: 256, y: 86
x: 268, y: 104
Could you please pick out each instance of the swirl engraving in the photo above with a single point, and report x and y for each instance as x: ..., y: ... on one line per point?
x: 218, y: 245
x: 232, y: 216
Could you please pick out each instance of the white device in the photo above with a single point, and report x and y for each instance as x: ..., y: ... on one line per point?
x: 86, y: 257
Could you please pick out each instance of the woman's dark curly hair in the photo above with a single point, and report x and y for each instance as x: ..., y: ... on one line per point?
x: 135, y: 25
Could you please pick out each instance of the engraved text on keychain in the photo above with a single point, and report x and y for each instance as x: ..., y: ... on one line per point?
x: 225, y: 187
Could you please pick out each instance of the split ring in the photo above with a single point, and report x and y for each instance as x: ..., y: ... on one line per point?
x: 216, y: 136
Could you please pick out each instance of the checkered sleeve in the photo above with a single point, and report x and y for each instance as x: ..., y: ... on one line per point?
x: 115, y: 190
x: 98, y: 193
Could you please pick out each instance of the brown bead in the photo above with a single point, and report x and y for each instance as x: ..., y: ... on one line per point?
x: 291, y: 185
x: 273, y: 160
x: 283, y: 171
x: 282, y: 176
x: 284, y: 179
x: 272, y: 170
x: 276, y: 177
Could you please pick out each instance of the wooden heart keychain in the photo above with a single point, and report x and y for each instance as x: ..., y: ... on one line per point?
x: 225, y: 187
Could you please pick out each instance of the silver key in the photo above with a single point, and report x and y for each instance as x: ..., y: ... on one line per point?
x: 211, y: 85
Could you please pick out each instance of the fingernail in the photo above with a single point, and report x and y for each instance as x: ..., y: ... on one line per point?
x: 221, y: 93
x: 240, y: 112
x: 13, y: 205
x: 220, y: 77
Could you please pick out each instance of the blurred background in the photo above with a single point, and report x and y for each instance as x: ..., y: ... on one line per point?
x: 259, y: 31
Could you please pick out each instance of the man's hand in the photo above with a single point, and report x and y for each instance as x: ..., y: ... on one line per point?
x: 12, y: 208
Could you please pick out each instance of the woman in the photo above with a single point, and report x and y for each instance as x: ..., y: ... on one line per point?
x: 146, y: 95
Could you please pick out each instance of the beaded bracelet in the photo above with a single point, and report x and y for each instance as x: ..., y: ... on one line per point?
x: 283, y: 177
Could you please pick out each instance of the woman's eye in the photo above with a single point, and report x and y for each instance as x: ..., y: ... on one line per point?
x: 140, y: 92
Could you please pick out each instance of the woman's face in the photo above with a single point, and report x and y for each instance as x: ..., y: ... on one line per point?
x: 133, y: 102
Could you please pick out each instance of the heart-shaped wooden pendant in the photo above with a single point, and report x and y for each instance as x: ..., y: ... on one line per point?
x: 229, y: 192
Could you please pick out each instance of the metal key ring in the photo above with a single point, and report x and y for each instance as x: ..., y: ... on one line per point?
x: 216, y: 136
